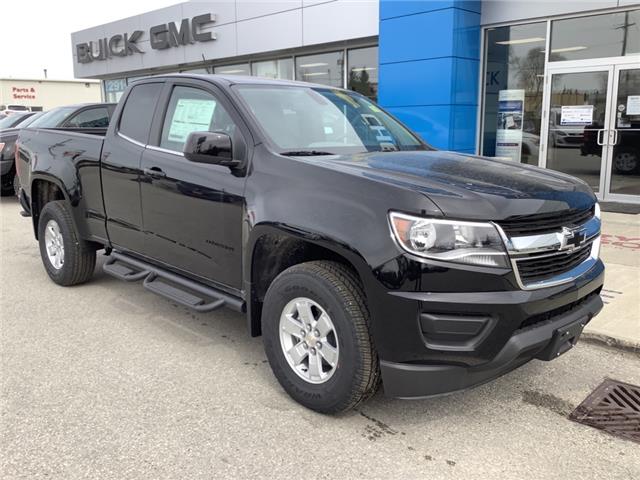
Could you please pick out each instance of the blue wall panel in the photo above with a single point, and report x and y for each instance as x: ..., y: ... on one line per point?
x: 417, y: 41
x: 397, y: 8
x: 429, y: 68
x: 436, y: 81
x: 415, y: 83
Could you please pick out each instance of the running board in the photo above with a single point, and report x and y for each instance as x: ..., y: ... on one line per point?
x: 174, y: 287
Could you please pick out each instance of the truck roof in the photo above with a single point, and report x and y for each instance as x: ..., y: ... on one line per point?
x: 242, y: 79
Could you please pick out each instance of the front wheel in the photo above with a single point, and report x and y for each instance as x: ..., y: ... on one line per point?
x: 67, y: 259
x: 316, y: 337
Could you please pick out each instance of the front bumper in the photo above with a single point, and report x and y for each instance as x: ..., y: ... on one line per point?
x: 466, y: 339
x: 544, y: 342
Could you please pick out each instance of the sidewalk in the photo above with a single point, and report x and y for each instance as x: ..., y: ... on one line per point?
x: 619, y: 322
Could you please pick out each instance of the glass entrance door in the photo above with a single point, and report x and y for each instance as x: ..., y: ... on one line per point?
x: 577, y: 115
x: 624, y: 167
x: 593, y: 128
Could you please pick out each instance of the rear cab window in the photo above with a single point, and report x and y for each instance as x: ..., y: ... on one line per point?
x: 138, y: 111
x: 90, y: 118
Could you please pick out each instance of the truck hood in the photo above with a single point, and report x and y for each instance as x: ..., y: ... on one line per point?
x: 467, y: 186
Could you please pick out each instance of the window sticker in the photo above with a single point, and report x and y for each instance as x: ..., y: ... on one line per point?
x: 190, y: 115
x: 633, y: 105
x: 576, y: 115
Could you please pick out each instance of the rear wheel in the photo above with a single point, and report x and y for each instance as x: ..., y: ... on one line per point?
x: 316, y: 337
x: 67, y: 259
x: 7, y: 185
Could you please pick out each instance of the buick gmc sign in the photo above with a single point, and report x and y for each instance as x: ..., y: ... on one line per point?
x: 163, y: 36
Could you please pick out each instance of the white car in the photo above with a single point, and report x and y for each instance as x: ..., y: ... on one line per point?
x: 9, y: 109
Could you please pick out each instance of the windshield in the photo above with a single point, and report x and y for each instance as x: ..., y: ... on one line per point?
x: 53, y: 118
x: 12, y: 120
x: 324, y: 121
x: 29, y: 120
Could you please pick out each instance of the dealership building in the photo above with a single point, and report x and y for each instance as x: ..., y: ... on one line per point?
x: 553, y: 84
x: 43, y: 94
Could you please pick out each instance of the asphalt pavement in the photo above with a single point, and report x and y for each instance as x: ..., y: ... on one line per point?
x: 108, y: 381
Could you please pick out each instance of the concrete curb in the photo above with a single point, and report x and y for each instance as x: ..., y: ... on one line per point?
x: 611, y: 342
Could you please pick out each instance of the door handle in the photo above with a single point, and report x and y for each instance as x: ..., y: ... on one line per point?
x: 598, y: 139
x: 615, y: 137
x: 154, y: 172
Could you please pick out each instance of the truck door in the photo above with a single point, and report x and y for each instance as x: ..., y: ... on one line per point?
x: 193, y: 212
x: 120, y: 166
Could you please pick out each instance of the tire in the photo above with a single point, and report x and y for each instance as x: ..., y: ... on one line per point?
x: 7, y: 185
x: 332, y: 289
x: 78, y: 257
x: 626, y: 161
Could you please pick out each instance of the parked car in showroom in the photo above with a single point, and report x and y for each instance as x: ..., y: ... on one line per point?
x: 85, y: 117
x: 358, y: 252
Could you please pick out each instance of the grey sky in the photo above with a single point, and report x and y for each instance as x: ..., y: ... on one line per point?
x: 37, y: 34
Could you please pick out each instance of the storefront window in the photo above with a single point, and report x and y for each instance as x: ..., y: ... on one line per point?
x: 596, y: 36
x: 363, y: 71
x: 278, y: 69
x: 514, y: 69
x: 200, y: 71
x: 114, y: 89
x: 325, y: 68
x: 239, y: 69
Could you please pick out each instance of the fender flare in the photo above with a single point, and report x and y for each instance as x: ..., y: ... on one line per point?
x: 39, y: 176
x: 258, y: 232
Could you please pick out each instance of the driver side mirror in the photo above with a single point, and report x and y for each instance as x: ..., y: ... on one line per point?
x: 213, y: 148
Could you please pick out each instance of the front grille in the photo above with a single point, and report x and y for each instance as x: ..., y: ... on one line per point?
x: 536, y: 320
x: 539, y: 268
x: 544, y: 223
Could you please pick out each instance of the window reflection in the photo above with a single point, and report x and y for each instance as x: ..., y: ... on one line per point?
x: 325, y: 69
x: 363, y: 71
x: 513, y: 90
x: 278, y: 69
x: 596, y: 36
x: 239, y: 69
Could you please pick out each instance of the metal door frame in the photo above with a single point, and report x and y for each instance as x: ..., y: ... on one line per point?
x: 582, y: 66
x: 612, y: 127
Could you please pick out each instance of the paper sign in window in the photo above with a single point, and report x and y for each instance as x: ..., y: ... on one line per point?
x: 576, y: 115
x: 633, y: 105
x: 190, y: 115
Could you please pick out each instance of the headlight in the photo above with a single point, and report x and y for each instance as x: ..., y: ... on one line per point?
x: 596, y: 211
x: 471, y: 243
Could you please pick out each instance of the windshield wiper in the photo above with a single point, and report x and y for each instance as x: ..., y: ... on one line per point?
x: 305, y: 153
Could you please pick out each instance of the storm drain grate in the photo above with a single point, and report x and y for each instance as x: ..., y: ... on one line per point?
x: 613, y: 407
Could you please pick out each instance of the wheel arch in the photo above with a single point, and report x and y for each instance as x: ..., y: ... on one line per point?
x: 44, y: 189
x: 272, y: 249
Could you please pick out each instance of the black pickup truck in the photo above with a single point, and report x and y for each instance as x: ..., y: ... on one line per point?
x: 359, y: 253
x: 83, y: 117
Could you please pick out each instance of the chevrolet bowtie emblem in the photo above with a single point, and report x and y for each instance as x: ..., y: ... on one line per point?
x: 572, y: 238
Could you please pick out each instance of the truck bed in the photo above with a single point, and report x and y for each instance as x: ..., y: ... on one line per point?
x: 69, y: 157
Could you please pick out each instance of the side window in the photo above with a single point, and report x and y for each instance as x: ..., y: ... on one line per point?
x: 90, y: 118
x: 192, y: 110
x: 135, y: 121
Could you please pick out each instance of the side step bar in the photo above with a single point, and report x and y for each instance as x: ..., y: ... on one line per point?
x: 169, y: 285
